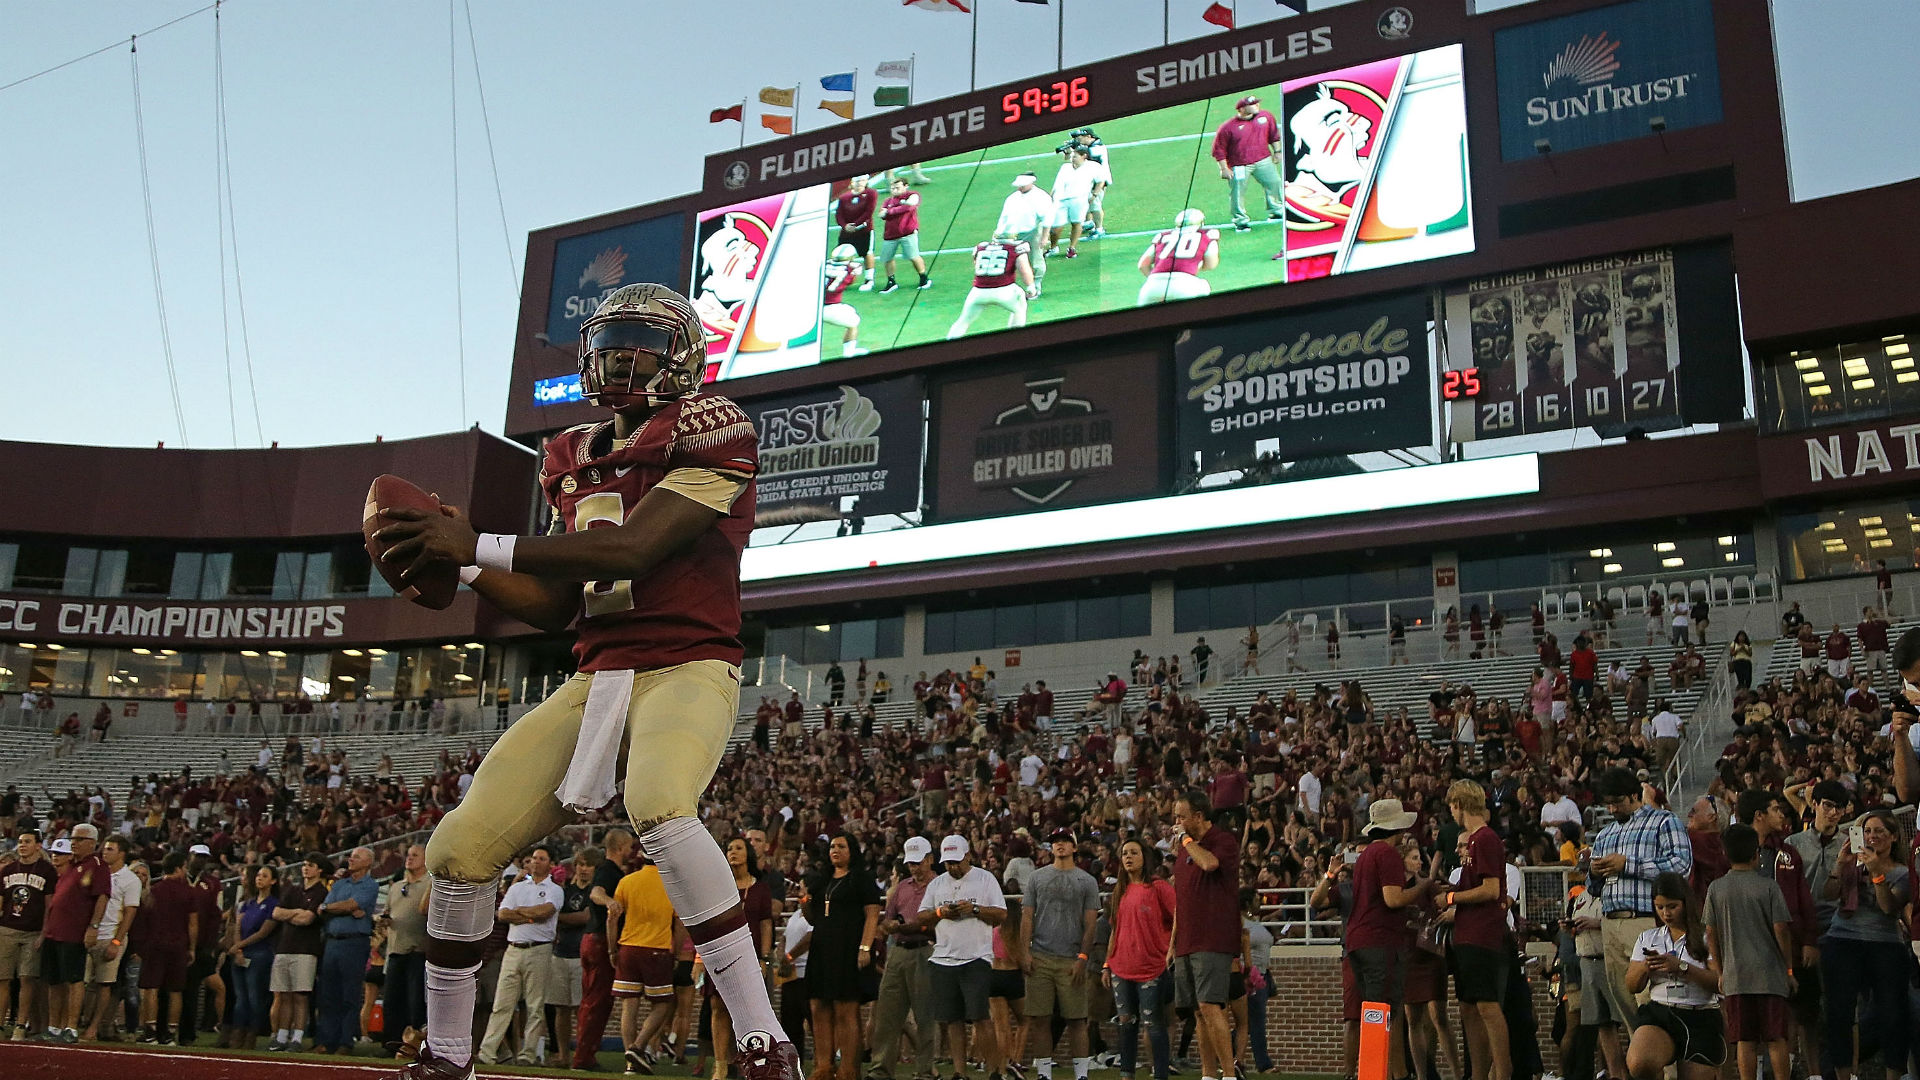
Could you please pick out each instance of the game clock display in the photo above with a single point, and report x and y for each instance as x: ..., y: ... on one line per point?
x: 1368, y: 169
x: 1058, y: 97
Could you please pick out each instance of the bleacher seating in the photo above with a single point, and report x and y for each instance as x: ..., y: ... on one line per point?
x: 1409, y: 685
x: 1786, y: 653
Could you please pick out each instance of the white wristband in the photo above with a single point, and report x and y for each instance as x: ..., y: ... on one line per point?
x: 494, y: 551
x: 468, y: 573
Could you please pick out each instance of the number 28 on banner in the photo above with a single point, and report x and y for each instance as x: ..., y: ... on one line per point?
x: 1464, y: 383
x: 1039, y: 100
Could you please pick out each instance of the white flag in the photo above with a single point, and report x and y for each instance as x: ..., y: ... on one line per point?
x: 894, y: 69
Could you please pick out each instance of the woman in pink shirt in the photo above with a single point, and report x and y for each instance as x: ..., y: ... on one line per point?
x: 1141, y: 910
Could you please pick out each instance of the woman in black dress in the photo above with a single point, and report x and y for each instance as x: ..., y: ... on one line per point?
x: 844, y: 909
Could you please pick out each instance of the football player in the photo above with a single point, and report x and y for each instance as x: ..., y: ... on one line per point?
x: 997, y: 263
x: 843, y: 269
x: 1172, y: 263
x: 652, y: 507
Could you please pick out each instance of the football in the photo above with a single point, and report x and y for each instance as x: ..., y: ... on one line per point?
x: 433, y: 587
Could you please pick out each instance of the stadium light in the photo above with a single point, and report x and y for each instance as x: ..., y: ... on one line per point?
x: 1331, y: 496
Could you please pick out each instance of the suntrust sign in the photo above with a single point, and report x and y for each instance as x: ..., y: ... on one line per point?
x: 1604, y: 75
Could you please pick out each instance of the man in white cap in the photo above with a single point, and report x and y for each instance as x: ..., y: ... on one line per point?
x: 906, y: 983
x: 1025, y: 215
x: 1378, y: 939
x: 961, y: 907
x: 72, y: 928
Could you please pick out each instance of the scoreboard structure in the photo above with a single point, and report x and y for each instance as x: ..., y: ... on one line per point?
x: 1312, y: 247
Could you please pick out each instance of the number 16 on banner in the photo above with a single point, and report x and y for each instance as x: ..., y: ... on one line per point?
x: 1375, y: 1034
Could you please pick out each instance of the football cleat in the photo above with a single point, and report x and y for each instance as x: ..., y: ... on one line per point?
x: 761, y: 1058
x: 428, y: 1067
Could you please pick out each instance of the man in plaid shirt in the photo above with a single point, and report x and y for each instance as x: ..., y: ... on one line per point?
x: 1641, y: 843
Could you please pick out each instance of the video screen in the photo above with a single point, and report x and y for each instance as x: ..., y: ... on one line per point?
x: 1354, y: 169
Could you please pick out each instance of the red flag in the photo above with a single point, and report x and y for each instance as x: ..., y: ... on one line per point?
x: 781, y: 124
x: 939, y: 5
x: 1219, y: 15
x: 731, y: 112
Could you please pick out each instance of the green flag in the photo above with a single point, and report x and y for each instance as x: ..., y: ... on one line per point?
x: 892, y: 95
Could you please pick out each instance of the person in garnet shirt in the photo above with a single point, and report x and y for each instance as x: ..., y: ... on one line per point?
x: 1206, y: 889
x: 1479, y: 915
x: 1378, y: 940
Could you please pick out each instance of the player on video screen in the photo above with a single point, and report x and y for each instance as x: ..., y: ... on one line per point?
x: 853, y: 213
x: 1002, y: 278
x: 843, y: 269
x: 1173, y: 261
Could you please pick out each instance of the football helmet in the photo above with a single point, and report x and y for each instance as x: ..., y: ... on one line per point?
x: 845, y: 253
x: 1189, y: 219
x: 635, y: 323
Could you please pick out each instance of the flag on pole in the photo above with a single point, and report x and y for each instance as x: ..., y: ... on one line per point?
x: 1040, y: 2
x: 783, y: 95
x: 1298, y: 7
x: 894, y: 69
x: 842, y: 82
x: 781, y: 124
x: 940, y: 5
x: 731, y: 112
x: 840, y: 107
x: 1219, y: 15
x: 888, y: 96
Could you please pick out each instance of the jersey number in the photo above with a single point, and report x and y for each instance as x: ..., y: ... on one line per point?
x: 603, y: 597
x: 990, y: 261
x: 1179, y: 244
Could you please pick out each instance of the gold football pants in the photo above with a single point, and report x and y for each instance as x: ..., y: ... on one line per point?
x: 678, y: 722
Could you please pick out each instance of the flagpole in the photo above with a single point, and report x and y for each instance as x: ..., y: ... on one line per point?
x: 743, y: 123
x: 855, y: 107
x: 1166, y: 18
x: 913, y: 59
x: 796, y: 106
x: 973, y: 65
x: 1060, y: 40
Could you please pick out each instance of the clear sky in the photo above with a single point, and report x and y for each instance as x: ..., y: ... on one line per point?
x: 341, y: 136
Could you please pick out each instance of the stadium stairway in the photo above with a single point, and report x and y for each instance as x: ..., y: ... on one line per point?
x: 113, y: 763
x: 1408, y: 686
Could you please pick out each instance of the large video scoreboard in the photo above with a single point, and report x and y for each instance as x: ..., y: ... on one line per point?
x: 1291, y: 253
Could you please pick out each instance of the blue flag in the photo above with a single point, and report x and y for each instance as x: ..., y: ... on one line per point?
x: 842, y: 82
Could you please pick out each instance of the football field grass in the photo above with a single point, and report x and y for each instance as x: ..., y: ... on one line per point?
x: 1161, y: 164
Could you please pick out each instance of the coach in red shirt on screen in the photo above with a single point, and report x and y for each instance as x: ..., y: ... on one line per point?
x: 1248, y: 144
x: 901, y: 233
x: 853, y: 213
x: 1206, y: 936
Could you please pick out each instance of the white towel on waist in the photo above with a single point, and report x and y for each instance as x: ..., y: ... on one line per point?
x: 589, y: 785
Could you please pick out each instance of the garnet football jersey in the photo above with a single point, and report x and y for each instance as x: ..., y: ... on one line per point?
x: 997, y: 262
x: 839, y: 277
x: 688, y: 607
x: 1182, y: 251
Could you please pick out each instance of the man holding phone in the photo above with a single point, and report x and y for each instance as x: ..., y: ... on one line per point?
x: 1629, y: 854
x: 961, y: 907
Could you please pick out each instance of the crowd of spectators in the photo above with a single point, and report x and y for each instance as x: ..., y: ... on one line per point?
x: 888, y: 862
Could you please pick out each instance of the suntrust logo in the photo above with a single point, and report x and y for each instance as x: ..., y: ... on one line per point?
x: 1587, y: 61
x: 1590, y: 64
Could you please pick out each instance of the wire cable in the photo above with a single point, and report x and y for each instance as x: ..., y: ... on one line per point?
x: 459, y: 297
x: 103, y: 49
x: 153, y: 245
x: 220, y: 228
x: 473, y: 48
x: 233, y: 232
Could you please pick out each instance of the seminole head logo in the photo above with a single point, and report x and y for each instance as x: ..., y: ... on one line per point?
x: 1586, y: 62
x: 607, y: 270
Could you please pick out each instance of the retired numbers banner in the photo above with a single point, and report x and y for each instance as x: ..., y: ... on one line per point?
x: 1594, y: 343
x: 1339, y: 380
x: 1046, y: 437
